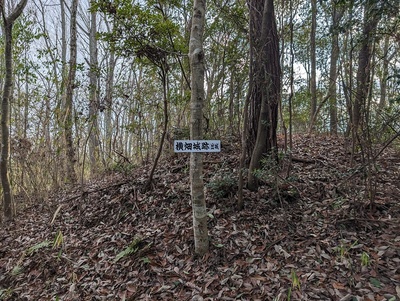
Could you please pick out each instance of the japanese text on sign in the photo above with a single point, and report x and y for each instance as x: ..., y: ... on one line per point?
x: 197, y: 146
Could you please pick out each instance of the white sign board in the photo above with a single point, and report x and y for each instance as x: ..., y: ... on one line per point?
x: 197, y: 146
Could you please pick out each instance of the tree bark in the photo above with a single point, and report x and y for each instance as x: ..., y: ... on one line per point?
x: 346, y: 66
x: 68, y: 110
x: 384, y: 74
x: 244, y: 150
x: 93, y: 95
x: 8, y: 22
x: 364, y: 69
x: 313, y: 61
x: 266, y: 141
x: 164, y: 80
x: 196, y: 55
x: 337, y: 14
x: 255, y: 82
x: 108, y: 102
x: 291, y: 85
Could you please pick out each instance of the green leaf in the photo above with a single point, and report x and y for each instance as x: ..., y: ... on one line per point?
x: 16, y: 270
x: 5, y: 293
x: 132, y: 248
x: 58, y: 240
x: 43, y: 244
x: 145, y: 260
x: 289, y: 294
x: 375, y: 282
x: 295, y: 280
x: 127, y: 251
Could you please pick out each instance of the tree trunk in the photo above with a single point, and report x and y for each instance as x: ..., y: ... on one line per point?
x: 196, y: 55
x: 282, y: 62
x: 68, y: 110
x: 244, y: 148
x: 291, y: 85
x: 346, y: 66
x: 336, y: 16
x: 255, y: 24
x: 93, y: 96
x: 384, y: 74
x: 313, y: 61
x: 8, y: 22
x: 61, y: 104
x: 164, y: 80
x: 363, y: 72
x: 108, y: 105
x: 266, y: 141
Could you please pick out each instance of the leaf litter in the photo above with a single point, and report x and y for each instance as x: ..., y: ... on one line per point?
x: 312, y: 235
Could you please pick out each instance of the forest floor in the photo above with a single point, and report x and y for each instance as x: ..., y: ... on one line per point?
x: 312, y: 235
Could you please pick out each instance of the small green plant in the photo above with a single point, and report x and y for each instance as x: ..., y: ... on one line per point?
x: 338, y: 203
x: 281, y: 155
x: 38, y: 246
x: 268, y: 172
x: 5, y: 293
x: 132, y: 248
x: 344, y: 248
x: 289, y: 294
x: 341, y: 250
x: 295, y: 285
x: 222, y: 185
x: 295, y: 280
x: 375, y: 282
x: 58, y: 242
x: 122, y: 167
x: 145, y: 260
x: 16, y: 270
x: 58, y: 239
x: 365, y: 260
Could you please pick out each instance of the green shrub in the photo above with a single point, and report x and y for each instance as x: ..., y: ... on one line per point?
x: 222, y: 185
x: 122, y: 167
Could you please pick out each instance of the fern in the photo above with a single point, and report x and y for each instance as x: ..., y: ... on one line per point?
x: 38, y: 246
x: 132, y: 248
